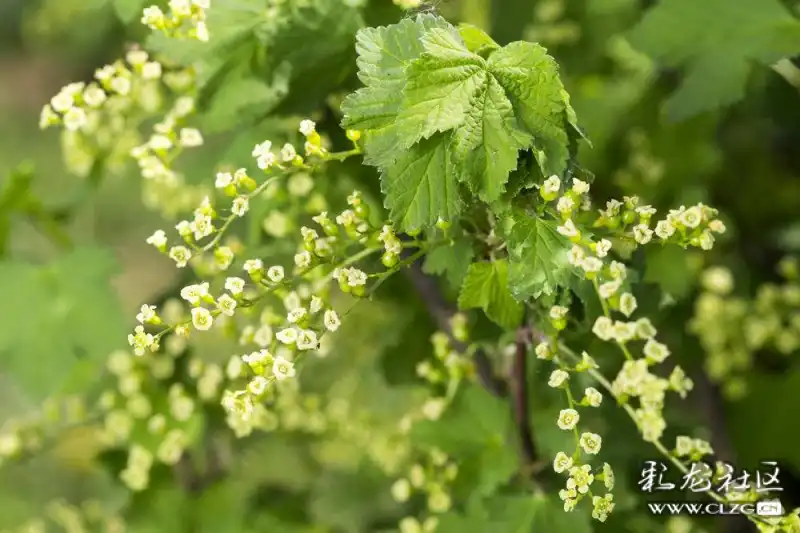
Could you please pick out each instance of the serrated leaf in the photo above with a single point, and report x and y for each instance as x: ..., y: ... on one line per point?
x: 537, y: 256
x: 486, y: 287
x: 489, y: 143
x: 440, y: 88
x: 451, y: 261
x: 420, y: 188
x: 422, y: 80
x: 509, y: 514
x: 718, y: 40
x: 128, y: 10
x: 530, y: 79
x: 72, y: 301
x: 477, y: 40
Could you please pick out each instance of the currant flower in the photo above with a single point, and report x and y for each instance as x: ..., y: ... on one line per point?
x: 656, y: 351
x: 226, y: 305
x: 283, y: 368
x: 642, y: 234
x: 562, y: 462
x: 181, y: 255
x: 307, y: 340
x: 579, y: 187
x: 140, y: 340
x: 240, y: 206
x: 543, y: 351
x: 275, y: 273
x: 568, y: 419
x: 287, y: 336
x: 331, y: 320
x: 664, y: 229
x: 592, y: 397
x: 603, y: 328
x: 580, y: 479
x: 234, y: 285
x: 146, y: 314
x: 202, y: 319
x: 568, y: 229
x: 307, y: 127
x: 602, y: 507
x: 590, y: 442
x: 627, y: 304
x: 557, y: 378
x: 550, y: 188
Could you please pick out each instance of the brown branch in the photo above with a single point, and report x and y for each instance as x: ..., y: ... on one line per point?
x: 442, y: 313
x: 520, y: 395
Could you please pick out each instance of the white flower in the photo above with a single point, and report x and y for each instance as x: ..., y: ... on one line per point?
x: 645, y: 328
x: 263, y: 336
x: 266, y: 161
x: 558, y: 312
x: 303, y: 259
x: 543, y: 351
x: 562, y: 462
x: 190, y: 137
x: 234, y: 285
x: 201, y: 226
x: 557, y: 378
x: 580, y: 478
x: 307, y: 127
x: 593, y: 397
x: 315, y: 304
x: 665, y: 229
x: 591, y: 264
x: 201, y: 318
x: 568, y: 229
x: 226, y: 305
x: 627, y: 304
x: 354, y: 276
x: 433, y: 408
x: 262, y: 149
x: 565, y: 205
x: 608, y: 289
x: 717, y: 226
x: 580, y: 187
x: 201, y: 31
x: 287, y: 336
x: 602, y: 248
x: 288, y: 153
x: 258, y: 385
x: 152, y: 71
x: 195, y: 293
x: 181, y: 255
x: 331, y: 320
x: 240, y: 206
x: 656, y: 351
x: 603, y: 328
x: 576, y: 255
x: 223, y: 180
x: 568, y: 419
x: 307, y: 340
x: 121, y: 85
x: 94, y: 96
x: 642, y: 234
x: 75, y: 119
x: 275, y: 273
x: 551, y: 185
x: 283, y: 368
x: 590, y: 442
x: 158, y: 239
x: 296, y: 315
x: 147, y: 313
x: 252, y: 266
x: 140, y: 341
x: 692, y: 217
x: 401, y: 490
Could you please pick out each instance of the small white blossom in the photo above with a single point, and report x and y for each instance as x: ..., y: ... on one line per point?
x: 593, y: 397
x: 146, y: 314
x: 226, y: 305
x: 303, y: 259
x: 240, y: 206
x: 590, y: 442
x: 190, y: 137
x: 557, y: 378
x: 195, y: 293
x: 568, y: 419
x: 201, y: 318
x: 656, y: 351
x: 602, y: 247
x: 543, y: 351
x: 551, y: 185
x: 287, y: 336
x: 296, y: 315
x: 580, y: 187
x: 252, y: 266
x: 331, y: 320
x: 223, y: 180
x: 603, y: 328
x: 642, y: 234
x: 665, y: 229
x: 307, y: 340
x: 275, y: 273
x: 562, y: 462
x: 627, y: 304
x: 181, y: 255
x: 283, y: 368
x: 234, y: 285
x: 288, y: 153
x: 307, y: 127
x: 692, y: 217
x: 568, y: 229
x: 158, y: 239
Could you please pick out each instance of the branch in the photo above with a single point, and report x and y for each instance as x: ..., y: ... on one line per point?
x: 520, y: 395
x: 442, y: 312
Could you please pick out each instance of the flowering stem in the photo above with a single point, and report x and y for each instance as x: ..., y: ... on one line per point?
x: 662, y: 449
x: 607, y: 314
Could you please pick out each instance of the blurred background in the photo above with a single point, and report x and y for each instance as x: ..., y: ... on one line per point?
x: 687, y: 104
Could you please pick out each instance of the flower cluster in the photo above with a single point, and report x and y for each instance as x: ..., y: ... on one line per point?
x: 185, y: 19
x: 732, y: 329
x: 89, y: 515
x: 575, y: 465
x: 432, y: 476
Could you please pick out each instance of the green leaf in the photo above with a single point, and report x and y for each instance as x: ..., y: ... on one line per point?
x: 450, y: 261
x: 423, y: 81
x: 420, y: 188
x: 477, y: 40
x: 530, y: 78
x: 549, y: 515
x: 486, y: 287
x: 509, y: 514
x: 128, y: 10
x: 244, y: 99
x: 71, y: 300
x: 718, y: 40
x: 537, y: 256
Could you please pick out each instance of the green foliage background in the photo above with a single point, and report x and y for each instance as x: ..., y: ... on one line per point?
x: 682, y: 101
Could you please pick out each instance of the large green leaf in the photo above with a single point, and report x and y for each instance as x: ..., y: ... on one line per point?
x: 717, y: 40
x: 57, y: 314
